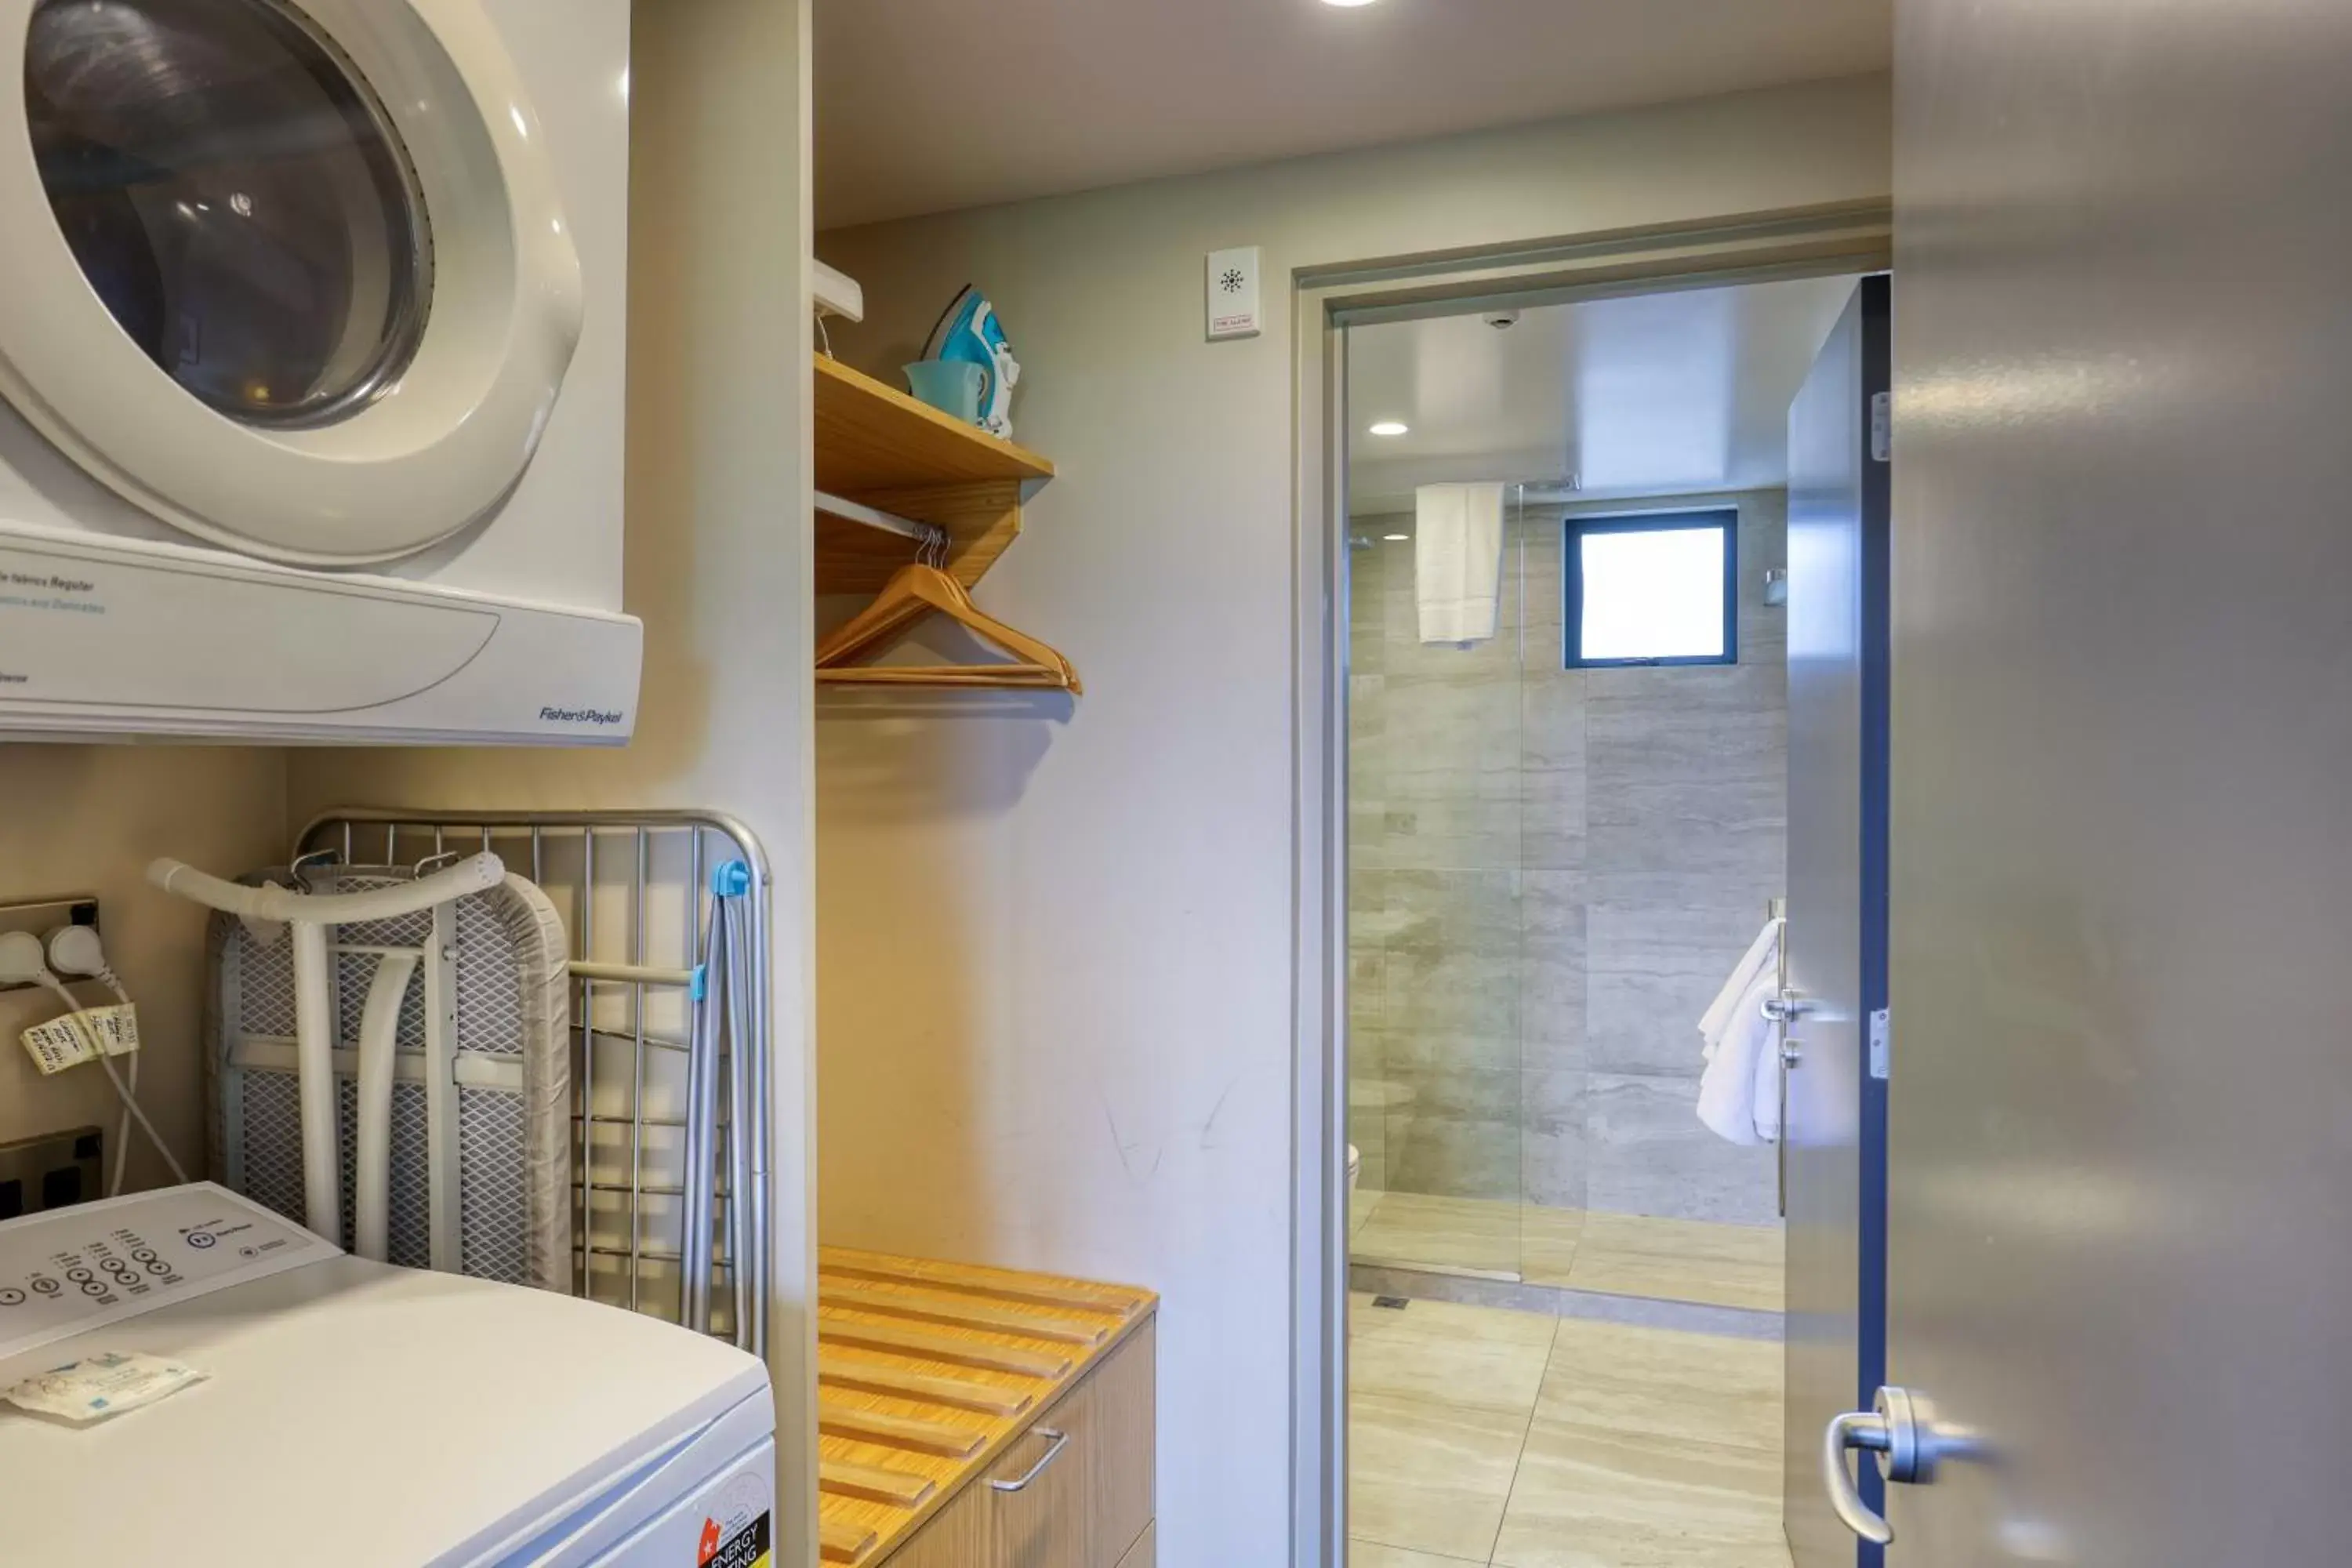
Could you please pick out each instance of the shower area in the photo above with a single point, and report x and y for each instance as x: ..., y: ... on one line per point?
x: 1552, y: 871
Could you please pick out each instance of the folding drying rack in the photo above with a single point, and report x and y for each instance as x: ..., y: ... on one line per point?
x: 670, y: 1208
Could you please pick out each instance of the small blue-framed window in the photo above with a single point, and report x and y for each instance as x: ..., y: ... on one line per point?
x: 1659, y: 588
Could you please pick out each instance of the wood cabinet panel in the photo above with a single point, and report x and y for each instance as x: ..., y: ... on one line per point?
x: 1122, y: 1460
x: 1048, y: 1523
x: 1074, y: 1491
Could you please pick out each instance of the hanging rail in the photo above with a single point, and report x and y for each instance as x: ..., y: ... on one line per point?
x: 929, y: 535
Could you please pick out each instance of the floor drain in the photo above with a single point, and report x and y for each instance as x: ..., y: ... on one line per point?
x: 1393, y: 1303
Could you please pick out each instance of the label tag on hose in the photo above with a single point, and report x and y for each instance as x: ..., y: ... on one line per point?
x: 57, y: 1045
x: 117, y: 1029
x: 69, y: 1041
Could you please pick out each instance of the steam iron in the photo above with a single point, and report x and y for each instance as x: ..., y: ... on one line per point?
x: 968, y: 332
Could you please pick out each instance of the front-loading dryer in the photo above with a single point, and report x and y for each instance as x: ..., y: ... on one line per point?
x: 311, y: 364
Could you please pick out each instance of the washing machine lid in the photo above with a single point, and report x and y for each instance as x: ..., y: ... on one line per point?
x: 370, y: 1416
x: 294, y: 277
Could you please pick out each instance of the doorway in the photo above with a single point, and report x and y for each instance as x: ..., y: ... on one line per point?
x: 1531, y: 1256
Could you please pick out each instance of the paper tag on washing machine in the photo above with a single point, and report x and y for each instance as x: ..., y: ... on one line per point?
x: 104, y: 1384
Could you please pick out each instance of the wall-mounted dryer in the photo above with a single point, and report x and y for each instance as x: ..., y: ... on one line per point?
x: 312, y: 368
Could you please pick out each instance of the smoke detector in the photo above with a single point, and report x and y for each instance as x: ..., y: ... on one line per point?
x: 1501, y: 320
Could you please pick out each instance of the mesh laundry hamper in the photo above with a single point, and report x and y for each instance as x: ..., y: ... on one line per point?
x: 509, y: 1161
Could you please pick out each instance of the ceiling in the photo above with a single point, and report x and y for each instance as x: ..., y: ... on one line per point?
x: 924, y: 106
x: 1677, y: 393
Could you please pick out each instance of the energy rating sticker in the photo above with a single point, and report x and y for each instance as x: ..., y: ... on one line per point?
x: 749, y: 1547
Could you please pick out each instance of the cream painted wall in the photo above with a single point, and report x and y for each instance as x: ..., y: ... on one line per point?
x: 718, y: 556
x: 1054, y: 950
x: 86, y: 819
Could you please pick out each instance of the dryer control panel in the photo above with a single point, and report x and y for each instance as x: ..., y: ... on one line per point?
x: 66, y: 1271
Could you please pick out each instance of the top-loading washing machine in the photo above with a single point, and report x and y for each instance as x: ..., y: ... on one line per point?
x: 361, y: 1414
x: 311, y: 357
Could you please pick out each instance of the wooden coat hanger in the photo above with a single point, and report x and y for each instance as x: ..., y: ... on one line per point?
x: 917, y: 590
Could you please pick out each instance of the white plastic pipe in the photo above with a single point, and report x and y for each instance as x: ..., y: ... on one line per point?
x: 379, y: 1052
x: 284, y: 904
x: 314, y: 1082
x: 310, y: 915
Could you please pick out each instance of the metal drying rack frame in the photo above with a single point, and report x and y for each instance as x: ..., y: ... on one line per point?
x: 707, y: 841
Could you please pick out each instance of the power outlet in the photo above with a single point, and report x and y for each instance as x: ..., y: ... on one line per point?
x: 42, y: 916
x: 1234, y: 294
x: 51, y: 1172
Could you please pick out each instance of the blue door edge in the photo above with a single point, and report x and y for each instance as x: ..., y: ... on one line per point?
x: 1877, y: 658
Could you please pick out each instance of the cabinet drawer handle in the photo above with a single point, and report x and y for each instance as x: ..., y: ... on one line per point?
x: 1061, y: 1441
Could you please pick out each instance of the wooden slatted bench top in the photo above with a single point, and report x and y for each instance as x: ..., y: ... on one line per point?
x: 926, y: 1372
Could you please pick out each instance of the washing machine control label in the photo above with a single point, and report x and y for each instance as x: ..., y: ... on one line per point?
x: 66, y: 1271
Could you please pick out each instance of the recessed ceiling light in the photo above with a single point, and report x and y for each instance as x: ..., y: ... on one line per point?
x: 1346, y: 2
x: 1391, y: 427
x: 1396, y: 538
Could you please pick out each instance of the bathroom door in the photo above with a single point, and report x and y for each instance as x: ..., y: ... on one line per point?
x: 1833, y: 1145
x: 2118, y: 1291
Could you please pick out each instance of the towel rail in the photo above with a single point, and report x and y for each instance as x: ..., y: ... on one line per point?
x: 1778, y: 910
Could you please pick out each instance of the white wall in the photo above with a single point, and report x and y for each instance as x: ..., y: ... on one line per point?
x: 86, y: 819
x: 1054, y: 950
x: 719, y: 553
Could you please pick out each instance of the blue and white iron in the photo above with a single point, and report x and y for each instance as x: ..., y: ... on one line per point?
x: 968, y: 332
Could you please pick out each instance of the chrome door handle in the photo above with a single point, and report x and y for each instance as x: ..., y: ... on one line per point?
x: 1061, y: 1441
x: 1791, y: 1054
x: 1853, y: 1429
x: 1901, y: 1431
x: 1787, y: 1008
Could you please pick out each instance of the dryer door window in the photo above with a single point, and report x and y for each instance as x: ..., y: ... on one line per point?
x: 293, y: 276
x: 237, y: 197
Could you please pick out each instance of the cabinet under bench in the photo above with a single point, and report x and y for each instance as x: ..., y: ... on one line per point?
x: 976, y: 1417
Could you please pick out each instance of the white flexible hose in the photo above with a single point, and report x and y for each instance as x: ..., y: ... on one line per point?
x: 314, y: 1082
x: 287, y: 906
x: 379, y: 1049
x: 310, y: 915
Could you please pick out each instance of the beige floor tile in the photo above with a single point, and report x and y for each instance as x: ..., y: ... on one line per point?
x: 1681, y: 1260
x: 1429, y: 1478
x: 1479, y: 1374
x: 1467, y: 1235
x: 1547, y: 1242
x: 1372, y: 1554
x: 1757, y: 1244
x: 1450, y: 1320
x: 1703, y: 1387
x: 1590, y: 1497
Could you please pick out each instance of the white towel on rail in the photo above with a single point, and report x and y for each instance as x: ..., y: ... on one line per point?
x: 1762, y: 957
x: 1738, y: 1093
x: 1458, y: 561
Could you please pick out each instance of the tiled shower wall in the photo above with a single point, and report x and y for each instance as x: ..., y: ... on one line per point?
x: 1551, y: 873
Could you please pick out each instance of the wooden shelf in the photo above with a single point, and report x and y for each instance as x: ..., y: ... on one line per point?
x: 878, y: 446
x: 872, y: 437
